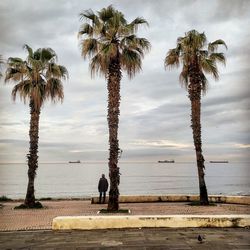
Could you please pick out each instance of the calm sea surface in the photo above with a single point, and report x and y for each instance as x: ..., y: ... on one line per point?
x: 80, y: 180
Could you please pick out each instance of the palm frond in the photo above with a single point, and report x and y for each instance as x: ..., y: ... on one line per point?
x: 13, y: 74
x: 56, y: 71
x: 204, y: 84
x: 142, y: 43
x: 136, y: 23
x: 133, y: 42
x: 89, y: 15
x: 214, y: 45
x: 99, y: 65
x: 24, y: 89
x: 209, y: 66
x: 28, y: 49
x: 106, y: 13
x: 131, y: 62
x: 85, y: 29
x: 15, y: 61
x: 16, y: 69
x: 117, y: 19
x: 127, y: 40
x: 203, y: 53
x: 54, y: 90
x: 139, y: 20
x: 173, y: 58
x: 220, y: 57
x: 53, y: 70
x: 64, y: 72
x: 35, y: 59
x: 109, y: 50
x: 89, y: 47
x: 193, y: 40
x: 183, y: 77
x: 47, y: 54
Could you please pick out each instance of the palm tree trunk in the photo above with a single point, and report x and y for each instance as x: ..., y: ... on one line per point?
x: 32, y: 156
x: 114, y: 78
x: 195, y: 97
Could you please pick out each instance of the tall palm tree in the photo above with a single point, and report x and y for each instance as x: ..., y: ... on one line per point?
x: 112, y: 47
x: 38, y: 79
x: 197, y: 58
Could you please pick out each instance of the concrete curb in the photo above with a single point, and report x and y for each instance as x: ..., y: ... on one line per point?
x: 244, y: 200
x: 133, y: 221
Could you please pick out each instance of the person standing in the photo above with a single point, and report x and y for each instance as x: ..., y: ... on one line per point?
x: 102, y: 188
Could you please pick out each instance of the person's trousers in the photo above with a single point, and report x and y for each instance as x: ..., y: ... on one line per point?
x: 102, y: 194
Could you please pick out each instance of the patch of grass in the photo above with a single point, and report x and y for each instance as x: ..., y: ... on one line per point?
x: 38, y: 205
x: 122, y: 211
x: 5, y: 198
x: 45, y: 199
x: 197, y: 203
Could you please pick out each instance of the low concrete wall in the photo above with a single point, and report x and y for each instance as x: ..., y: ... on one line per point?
x: 174, y: 221
x: 245, y: 200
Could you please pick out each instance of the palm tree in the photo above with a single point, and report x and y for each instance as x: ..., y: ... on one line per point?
x: 38, y: 78
x: 197, y: 58
x: 112, y: 47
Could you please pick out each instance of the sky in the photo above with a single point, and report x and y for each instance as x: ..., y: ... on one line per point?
x: 155, y: 109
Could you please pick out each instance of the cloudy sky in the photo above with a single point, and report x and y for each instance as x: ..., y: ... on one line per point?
x: 155, y: 110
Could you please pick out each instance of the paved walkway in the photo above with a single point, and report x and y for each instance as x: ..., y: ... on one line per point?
x: 34, y: 219
x: 156, y: 238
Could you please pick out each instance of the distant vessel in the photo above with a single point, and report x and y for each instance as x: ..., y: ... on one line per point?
x: 75, y: 161
x: 218, y: 161
x: 166, y: 161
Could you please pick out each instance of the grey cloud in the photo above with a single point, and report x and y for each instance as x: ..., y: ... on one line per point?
x: 242, y: 98
x: 12, y: 141
x: 226, y: 9
x: 10, y: 123
x: 153, y: 105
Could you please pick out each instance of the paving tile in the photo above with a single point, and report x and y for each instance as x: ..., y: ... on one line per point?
x: 138, y: 239
x: 42, y: 219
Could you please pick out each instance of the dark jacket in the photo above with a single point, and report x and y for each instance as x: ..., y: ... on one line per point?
x: 103, y: 185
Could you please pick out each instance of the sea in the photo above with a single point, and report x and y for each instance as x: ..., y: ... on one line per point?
x: 80, y: 180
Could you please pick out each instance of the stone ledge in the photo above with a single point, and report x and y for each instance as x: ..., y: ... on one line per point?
x: 244, y: 200
x: 133, y: 221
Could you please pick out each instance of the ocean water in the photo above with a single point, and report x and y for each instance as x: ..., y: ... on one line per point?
x: 64, y: 180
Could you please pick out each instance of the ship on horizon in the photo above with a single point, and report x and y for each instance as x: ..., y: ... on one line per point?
x: 167, y: 161
x: 218, y: 161
x: 78, y: 161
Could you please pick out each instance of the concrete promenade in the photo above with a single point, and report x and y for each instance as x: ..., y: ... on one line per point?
x: 141, y: 239
x: 34, y: 219
x: 31, y: 229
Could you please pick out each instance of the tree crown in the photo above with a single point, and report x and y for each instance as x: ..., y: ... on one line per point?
x: 107, y: 36
x: 38, y: 77
x: 193, y: 49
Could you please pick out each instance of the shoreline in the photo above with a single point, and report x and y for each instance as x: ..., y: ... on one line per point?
x: 216, y: 198
x: 88, y: 197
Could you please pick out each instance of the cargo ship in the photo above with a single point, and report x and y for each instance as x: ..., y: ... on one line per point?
x: 167, y: 161
x: 218, y: 161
